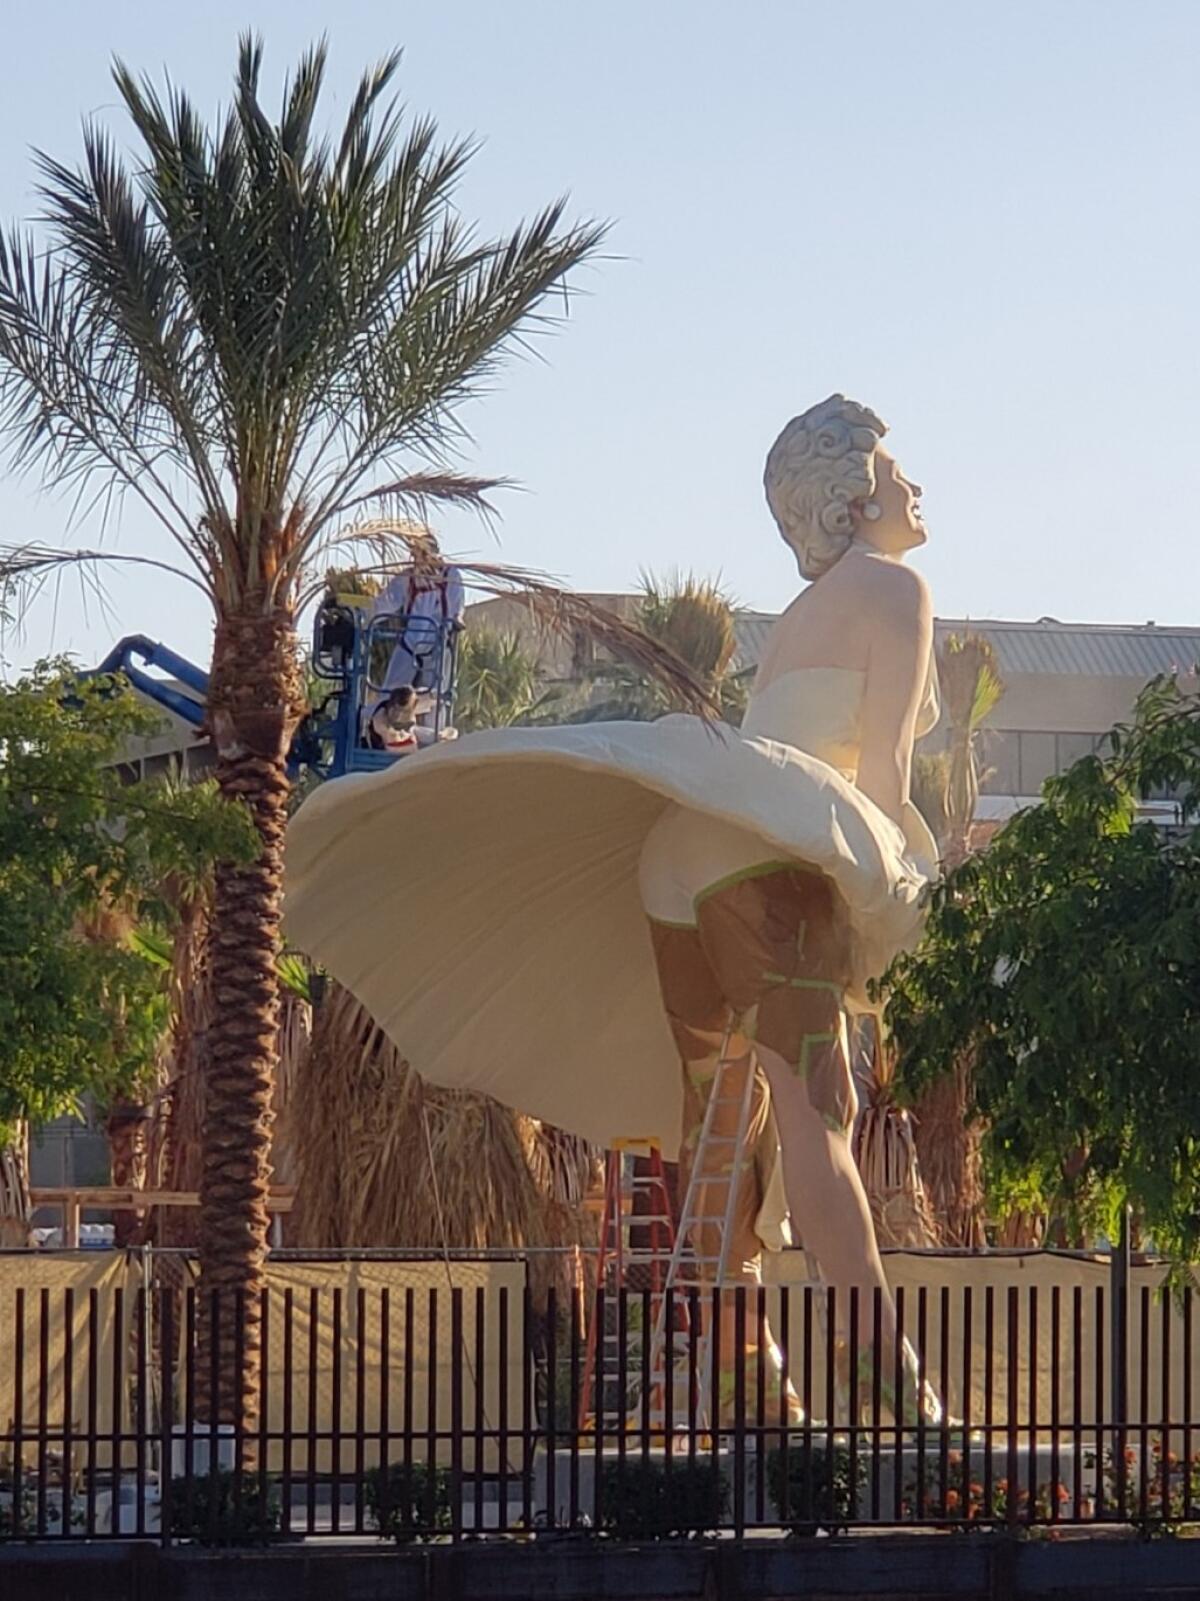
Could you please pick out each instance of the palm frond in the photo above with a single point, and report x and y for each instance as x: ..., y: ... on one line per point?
x: 255, y: 328
x: 970, y: 680
x: 26, y: 569
x: 554, y: 610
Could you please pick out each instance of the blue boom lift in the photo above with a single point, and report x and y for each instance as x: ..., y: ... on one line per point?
x: 351, y: 656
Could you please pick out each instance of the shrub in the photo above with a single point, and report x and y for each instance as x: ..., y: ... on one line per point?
x: 810, y: 1491
x: 408, y: 1501
x: 642, y: 1500
x: 225, y: 1508
x: 17, y: 1520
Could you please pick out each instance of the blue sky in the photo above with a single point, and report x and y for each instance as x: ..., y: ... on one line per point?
x: 980, y: 219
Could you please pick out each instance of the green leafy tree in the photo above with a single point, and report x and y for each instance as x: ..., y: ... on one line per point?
x: 257, y: 332
x: 1064, y: 963
x: 82, y: 1007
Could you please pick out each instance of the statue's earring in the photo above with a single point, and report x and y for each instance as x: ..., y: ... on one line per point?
x: 872, y: 512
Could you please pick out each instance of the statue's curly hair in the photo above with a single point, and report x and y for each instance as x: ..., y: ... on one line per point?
x: 821, y: 464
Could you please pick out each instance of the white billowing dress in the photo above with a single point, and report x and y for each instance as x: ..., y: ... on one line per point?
x: 482, y: 899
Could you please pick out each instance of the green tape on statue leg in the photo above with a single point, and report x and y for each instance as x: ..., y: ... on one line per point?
x: 805, y: 983
x: 806, y: 1046
x: 760, y: 870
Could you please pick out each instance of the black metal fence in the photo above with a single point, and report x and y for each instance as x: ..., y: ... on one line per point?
x: 451, y: 1412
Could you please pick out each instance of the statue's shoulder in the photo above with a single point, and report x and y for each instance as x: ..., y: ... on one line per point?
x: 891, y: 585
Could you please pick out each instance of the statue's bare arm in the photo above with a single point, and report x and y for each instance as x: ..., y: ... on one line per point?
x: 896, y: 601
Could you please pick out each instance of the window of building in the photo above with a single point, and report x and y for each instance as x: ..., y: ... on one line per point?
x: 1073, y: 748
x: 1039, y: 756
x: 1000, y: 762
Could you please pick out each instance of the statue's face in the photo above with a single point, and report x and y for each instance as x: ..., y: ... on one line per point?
x: 898, y: 527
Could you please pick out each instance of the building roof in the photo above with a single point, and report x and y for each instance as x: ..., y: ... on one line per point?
x: 1044, y: 648
x: 1099, y: 650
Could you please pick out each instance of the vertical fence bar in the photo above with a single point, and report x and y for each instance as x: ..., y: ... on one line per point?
x: 644, y: 1409
x: 760, y: 1405
x: 970, y: 1507
x: 408, y: 1441
x: 264, y: 1404
x: 898, y: 1408
x: 528, y: 1434
x: 360, y: 1404
x: 502, y: 1420
x: 43, y: 1407
x: 1055, y: 1398
x: 944, y: 1387
x: 989, y: 1404
x: 18, y: 1359
x: 694, y: 1402
x: 166, y: 1336
x: 922, y: 1374
x: 214, y: 1412
x: 876, y: 1400
x: 1166, y: 1454
x: 1144, y: 1405
x: 854, y: 1413
x: 1012, y: 1464
x: 622, y: 1407
x: 668, y: 1379
x: 385, y: 1394
x: 456, y: 1412
x: 599, y: 1381
x: 1031, y: 1466
x: 1077, y: 1395
x: 239, y: 1397
x: 1187, y: 1404
x: 335, y: 1415
x: 551, y: 1420
x: 830, y: 1395
x: 739, y: 1410
x: 784, y: 1478
x: 480, y: 1414
x: 314, y: 1336
x: 289, y: 1416
x: 431, y: 1419
x: 716, y: 1435
x: 1120, y: 1362
x: 68, y: 1405
x: 93, y: 1381
x: 141, y: 1418
x: 1099, y: 1402
x: 189, y: 1390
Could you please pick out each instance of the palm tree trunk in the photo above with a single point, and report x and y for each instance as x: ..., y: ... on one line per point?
x: 950, y: 1161
x: 254, y: 706
x: 16, y: 1208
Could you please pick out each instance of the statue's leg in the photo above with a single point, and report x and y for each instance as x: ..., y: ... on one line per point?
x: 700, y: 1020
x: 701, y: 1024
x: 779, y: 948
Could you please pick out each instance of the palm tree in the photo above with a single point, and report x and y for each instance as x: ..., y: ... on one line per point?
x: 499, y: 682
x: 256, y: 333
x: 694, y: 619
x: 948, y: 1143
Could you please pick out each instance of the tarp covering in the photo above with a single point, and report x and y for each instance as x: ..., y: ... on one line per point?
x: 1045, y: 1328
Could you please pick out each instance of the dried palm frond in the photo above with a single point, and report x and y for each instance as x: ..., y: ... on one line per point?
x: 386, y: 546
x: 886, y: 1153
x: 382, y: 1159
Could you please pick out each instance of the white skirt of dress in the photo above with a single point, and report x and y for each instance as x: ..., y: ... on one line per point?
x: 481, y: 900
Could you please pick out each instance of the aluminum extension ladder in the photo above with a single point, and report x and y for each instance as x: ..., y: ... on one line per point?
x: 699, y: 1262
